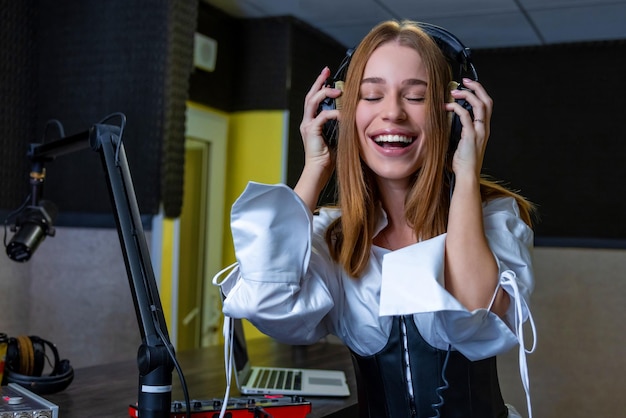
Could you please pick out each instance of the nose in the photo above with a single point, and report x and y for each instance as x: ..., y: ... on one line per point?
x: 394, y: 109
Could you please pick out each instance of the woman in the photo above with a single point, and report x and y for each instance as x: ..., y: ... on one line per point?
x: 424, y: 282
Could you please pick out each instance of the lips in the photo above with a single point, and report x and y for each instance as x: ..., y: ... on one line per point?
x: 394, y: 140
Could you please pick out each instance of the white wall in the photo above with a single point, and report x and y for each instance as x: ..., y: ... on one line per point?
x: 75, y: 293
x: 579, y: 306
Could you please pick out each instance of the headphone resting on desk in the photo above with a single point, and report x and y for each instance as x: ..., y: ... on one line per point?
x: 25, y: 361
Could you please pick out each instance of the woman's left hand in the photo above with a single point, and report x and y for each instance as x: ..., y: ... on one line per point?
x: 468, y: 157
x: 471, y: 269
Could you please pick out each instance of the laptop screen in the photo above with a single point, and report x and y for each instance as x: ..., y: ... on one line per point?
x: 240, y: 350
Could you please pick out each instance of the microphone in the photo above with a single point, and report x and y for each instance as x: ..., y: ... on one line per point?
x: 32, y: 224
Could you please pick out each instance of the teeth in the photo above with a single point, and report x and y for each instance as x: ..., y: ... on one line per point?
x: 394, y: 138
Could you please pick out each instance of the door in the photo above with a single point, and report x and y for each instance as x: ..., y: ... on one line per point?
x: 201, y: 229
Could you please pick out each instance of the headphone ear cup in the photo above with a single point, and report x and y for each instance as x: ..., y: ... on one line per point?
x: 39, y: 355
x: 330, y: 129
x: 20, y: 356
x: 60, y: 378
x: 455, y: 135
x: 12, y: 361
x: 457, y: 126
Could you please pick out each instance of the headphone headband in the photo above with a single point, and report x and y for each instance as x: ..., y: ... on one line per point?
x: 453, y: 49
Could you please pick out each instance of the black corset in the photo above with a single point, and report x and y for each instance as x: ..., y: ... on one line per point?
x: 473, y: 390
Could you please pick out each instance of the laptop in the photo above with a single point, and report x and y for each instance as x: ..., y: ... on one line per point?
x: 255, y: 380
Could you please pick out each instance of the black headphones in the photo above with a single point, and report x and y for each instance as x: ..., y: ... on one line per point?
x: 25, y: 361
x: 458, y: 56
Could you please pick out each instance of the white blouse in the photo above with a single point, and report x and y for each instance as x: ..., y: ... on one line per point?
x: 287, y: 285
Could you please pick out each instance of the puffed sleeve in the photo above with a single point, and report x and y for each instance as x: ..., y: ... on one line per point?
x: 274, y: 286
x: 480, y: 333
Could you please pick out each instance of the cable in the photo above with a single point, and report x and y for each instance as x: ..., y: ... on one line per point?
x: 59, y: 126
x: 229, y: 335
x: 181, y: 377
x: 437, y: 406
x: 122, y: 126
x: 12, y: 214
x: 340, y: 74
x: 121, y: 115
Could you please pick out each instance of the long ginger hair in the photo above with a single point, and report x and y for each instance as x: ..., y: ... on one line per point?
x: 427, y: 204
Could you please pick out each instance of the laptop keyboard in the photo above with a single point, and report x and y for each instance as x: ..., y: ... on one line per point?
x: 279, y: 379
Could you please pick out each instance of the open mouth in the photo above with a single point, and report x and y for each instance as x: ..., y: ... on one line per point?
x: 394, y: 141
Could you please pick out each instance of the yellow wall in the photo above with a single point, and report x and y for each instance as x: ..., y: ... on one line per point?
x: 255, y: 152
x: 165, y: 285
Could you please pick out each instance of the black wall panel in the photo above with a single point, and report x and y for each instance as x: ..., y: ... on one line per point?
x: 253, y: 62
x: 263, y: 69
x: 215, y: 88
x: 311, y: 51
x: 97, y: 58
x: 18, y: 97
x: 558, y: 137
x: 182, y: 21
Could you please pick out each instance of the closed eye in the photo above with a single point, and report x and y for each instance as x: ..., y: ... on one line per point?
x: 378, y: 98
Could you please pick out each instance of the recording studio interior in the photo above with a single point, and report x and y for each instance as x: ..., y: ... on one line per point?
x: 206, y: 95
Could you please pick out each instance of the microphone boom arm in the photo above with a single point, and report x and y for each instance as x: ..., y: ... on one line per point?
x: 155, y: 358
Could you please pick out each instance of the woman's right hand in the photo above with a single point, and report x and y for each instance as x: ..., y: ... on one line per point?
x: 312, y: 122
x: 318, y: 162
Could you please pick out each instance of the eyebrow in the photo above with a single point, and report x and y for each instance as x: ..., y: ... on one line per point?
x: 380, y: 80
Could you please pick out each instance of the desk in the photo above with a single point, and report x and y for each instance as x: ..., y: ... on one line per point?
x: 105, y: 391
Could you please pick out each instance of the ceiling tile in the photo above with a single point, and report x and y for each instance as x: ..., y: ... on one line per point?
x: 564, y: 4
x: 440, y: 8
x: 479, y: 23
x: 582, y: 23
x: 350, y: 35
x: 491, y: 31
